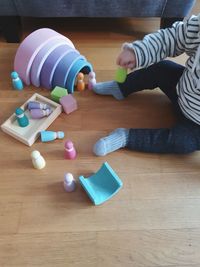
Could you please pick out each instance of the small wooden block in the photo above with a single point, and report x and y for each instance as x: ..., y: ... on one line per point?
x: 68, y: 103
x: 121, y: 75
x: 58, y: 92
x: 30, y: 133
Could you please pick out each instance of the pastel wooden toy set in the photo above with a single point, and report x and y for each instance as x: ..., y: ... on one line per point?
x: 48, y: 59
x: 31, y: 132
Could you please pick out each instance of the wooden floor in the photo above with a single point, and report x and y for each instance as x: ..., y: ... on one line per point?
x: 154, y: 221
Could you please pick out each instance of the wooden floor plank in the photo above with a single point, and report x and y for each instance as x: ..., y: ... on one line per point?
x: 169, y: 248
x: 152, y: 222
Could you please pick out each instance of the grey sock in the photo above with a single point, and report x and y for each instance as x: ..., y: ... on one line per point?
x: 114, y: 141
x: 108, y: 88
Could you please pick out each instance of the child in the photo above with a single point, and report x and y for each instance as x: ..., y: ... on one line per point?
x: 180, y: 84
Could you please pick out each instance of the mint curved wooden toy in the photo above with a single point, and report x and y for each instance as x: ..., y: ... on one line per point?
x: 102, y: 185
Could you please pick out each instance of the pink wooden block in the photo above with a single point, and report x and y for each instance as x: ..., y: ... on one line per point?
x: 68, y: 103
x: 30, y: 47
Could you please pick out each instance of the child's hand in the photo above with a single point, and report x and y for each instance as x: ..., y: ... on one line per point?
x: 126, y: 59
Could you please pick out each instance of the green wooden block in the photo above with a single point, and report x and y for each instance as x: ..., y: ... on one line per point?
x: 58, y: 92
x: 120, y: 75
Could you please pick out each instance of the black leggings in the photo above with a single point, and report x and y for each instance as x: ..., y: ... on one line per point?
x: 184, y: 136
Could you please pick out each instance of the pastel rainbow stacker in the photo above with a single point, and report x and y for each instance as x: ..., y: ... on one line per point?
x: 48, y: 59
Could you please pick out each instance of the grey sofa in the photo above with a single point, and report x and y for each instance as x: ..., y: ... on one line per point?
x: 11, y: 11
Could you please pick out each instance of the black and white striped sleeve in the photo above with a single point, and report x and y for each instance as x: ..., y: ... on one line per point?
x: 181, y: 37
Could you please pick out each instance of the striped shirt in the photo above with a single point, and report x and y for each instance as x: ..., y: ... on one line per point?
x: 171, y: 42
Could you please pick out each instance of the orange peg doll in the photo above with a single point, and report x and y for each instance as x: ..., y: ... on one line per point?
x: 80, y: 82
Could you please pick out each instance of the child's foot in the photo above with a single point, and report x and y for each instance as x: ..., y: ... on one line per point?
x: 108, y: 88
x: 114, y: 141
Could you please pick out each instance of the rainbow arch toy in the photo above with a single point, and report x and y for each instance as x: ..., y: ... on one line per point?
x: 47, y: 58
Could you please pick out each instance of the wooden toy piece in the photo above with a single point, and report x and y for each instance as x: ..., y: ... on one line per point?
x: 29, y: 49
x: 47, y: 136
x: 37, y: 160
x: 91, y: 80
x: 60, y: 75
x: 42, y: 55
x: 70, y: 152
x: 40, y: 113
x: 68, y: 103
x: 22, y: 119
x: 58, y: 92
x: 28, y: 135
x: 102, y: 185
x: 120, y: 75
x: 69, y: 182
x: 79, y: 65
x: 37, y: 105
x: 16, y: 81
x: 80, y: 82
x: 51, y: 63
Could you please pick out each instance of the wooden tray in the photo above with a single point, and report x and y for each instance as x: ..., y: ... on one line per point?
x: 29, y: 134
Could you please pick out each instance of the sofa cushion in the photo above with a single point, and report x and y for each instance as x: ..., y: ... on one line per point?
x: 96, y: 8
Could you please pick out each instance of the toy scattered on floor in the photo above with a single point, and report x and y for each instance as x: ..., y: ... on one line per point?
x: 22, y: 119
x: 47, y: 136
x: 68, y: 103
x: 37, y: 160
x: 48, y: 59
x: 120, y: 75
x: 30, y: 134
x: 57, y: 93
x: 16, y: 81
x: 37, y: 105
x: 80, y: 82
x: 69, y: 182
x: 40, y: 113
x: 91, y: 80
x: 70, y: 151
x: 102, y: 185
